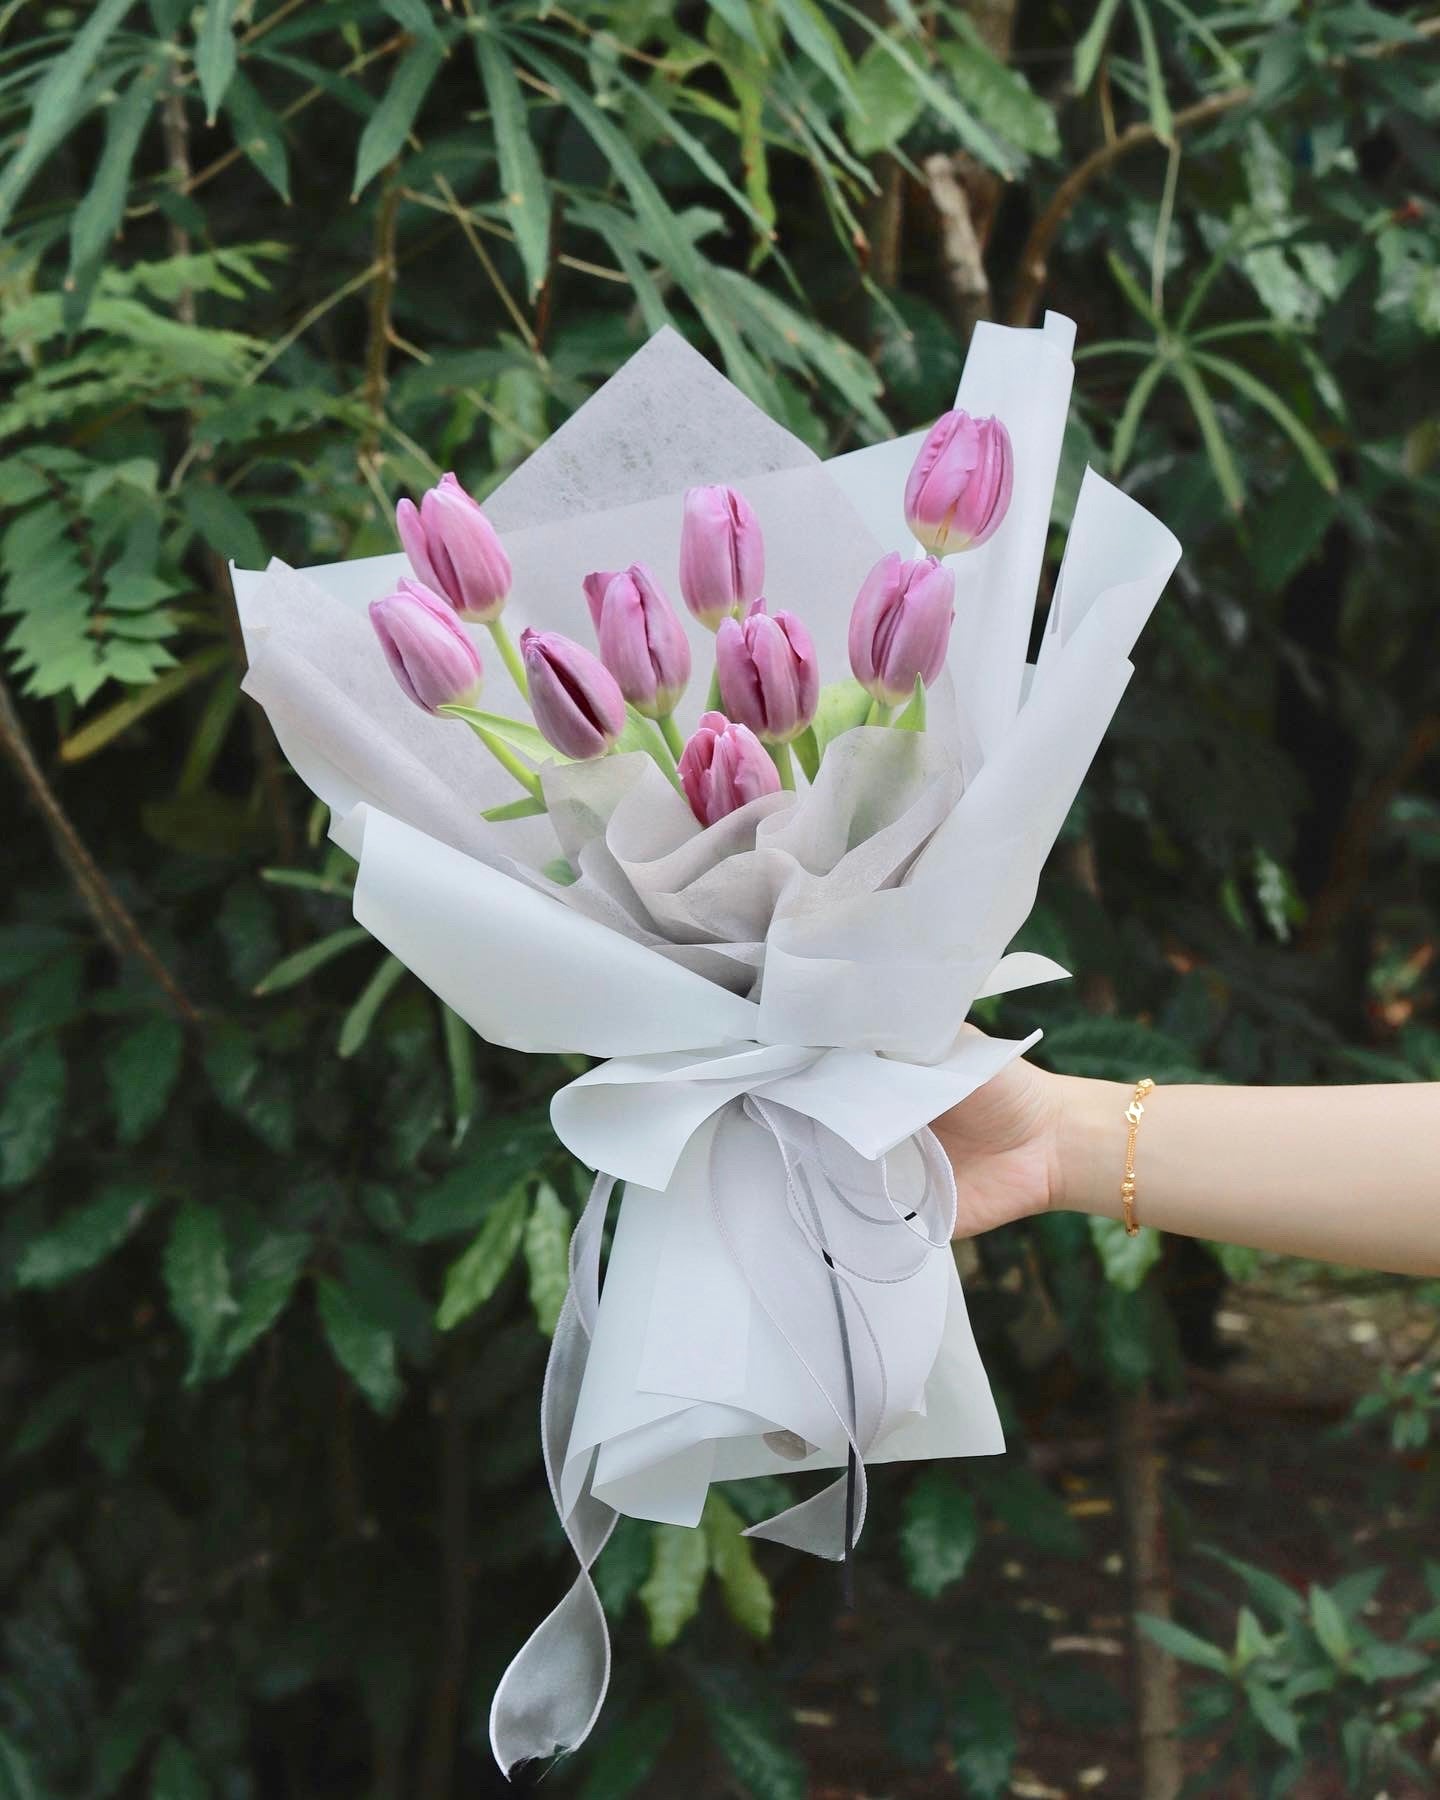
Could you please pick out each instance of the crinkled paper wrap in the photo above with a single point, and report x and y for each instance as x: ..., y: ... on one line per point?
x: 780, y: 998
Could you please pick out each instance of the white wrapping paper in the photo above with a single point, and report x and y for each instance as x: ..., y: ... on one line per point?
x: 780, y: 998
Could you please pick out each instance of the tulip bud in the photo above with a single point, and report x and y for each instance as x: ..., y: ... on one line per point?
x: 900, y: 626
x: 429, y: 651
x: 453, y: 548
x: 722, y: 555
x: 769, y: 676
x: 724, y: 767
x: 574, y: 697
x: 959, y: 489
x: 642, y: 643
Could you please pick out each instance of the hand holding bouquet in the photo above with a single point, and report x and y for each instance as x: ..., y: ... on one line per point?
x: 770, y: 908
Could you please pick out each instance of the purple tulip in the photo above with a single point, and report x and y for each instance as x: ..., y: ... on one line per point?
x: 769, y: 676
x: 453, y: 548
x: 959, y: 489
x: 900, y: 626
x: 642, y: 643
x: 429, y: 651
x: 574, y: 697
x: 724, y: 767
x: 722, y: 555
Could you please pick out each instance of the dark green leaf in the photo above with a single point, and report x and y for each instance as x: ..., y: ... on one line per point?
x: 176, y: 1774
x: 362, y: 1348
x: 982, y: 1729
x: 1179, y: 1642
x: 299, y: 967
x: 197, y: 1278
x: 938, y: 1533
x: 84, y: 1237
x: 31, y: 1113
x: 471, y: 1280
x: 362, y: 1015
x: 141, y: 1069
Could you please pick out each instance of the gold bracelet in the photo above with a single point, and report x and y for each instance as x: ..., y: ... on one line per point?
x: 1134, y: 1112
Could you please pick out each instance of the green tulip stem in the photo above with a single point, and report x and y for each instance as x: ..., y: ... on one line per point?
x: 713, y: 702
x: 670, y: 731
x: 510, y: 656
x: 508, y: 760
x: 879, y: 713
x: 780, y: 756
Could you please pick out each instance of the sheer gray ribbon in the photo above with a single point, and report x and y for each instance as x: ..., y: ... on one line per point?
x: 842, y: 1226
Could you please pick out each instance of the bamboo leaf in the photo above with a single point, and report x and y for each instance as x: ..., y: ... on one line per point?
x: 390, y: 124
x: 522, y: 180
x: 291, y: 970
x: 258, y: 133
x: 819, y: 40
x: 1176, y: 1641
x: 1161, y: 118
x: 936, y: 95
x: 668, y: 238
x: 215, y: 57
x: 1217, y: 448
x: 1091, y: 46
x: 999, y: 95
x: 1129, y: 422
x: 1244, y: 382
x: 58, y: 100
x: 366, y: 1010
x: 97, y: 217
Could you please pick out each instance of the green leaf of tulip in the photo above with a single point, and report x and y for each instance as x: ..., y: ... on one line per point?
x: 913, y: 717
x: 514, y: 733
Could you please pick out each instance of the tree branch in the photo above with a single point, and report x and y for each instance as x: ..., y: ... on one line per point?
x: 113, y: 918
x: 1034, y: 258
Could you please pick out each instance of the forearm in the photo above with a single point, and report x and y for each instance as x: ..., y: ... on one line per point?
x: 1340, y: 1174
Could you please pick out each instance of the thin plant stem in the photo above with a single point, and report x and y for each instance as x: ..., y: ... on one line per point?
x: 670, y: 731
x: 713, y: 702
x: 507, y: 759
x: 783, y: 761
x: 509, y: 655
x: 879, y: 713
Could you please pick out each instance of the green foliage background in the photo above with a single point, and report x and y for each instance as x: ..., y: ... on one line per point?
x: 280, y: 1242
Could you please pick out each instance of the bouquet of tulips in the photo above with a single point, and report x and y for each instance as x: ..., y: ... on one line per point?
x: 765, y: 695
x: 768, y: 913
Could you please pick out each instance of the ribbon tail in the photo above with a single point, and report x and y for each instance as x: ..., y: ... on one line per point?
x: 550, y: 1696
